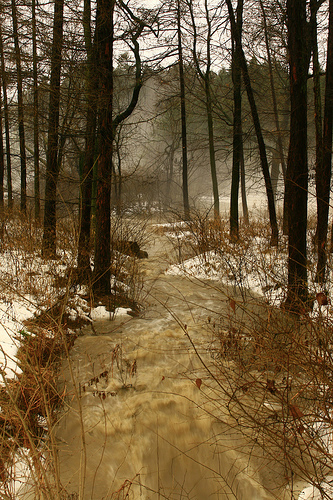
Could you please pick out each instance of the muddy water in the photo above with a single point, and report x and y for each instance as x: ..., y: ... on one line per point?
x: 143, y: 416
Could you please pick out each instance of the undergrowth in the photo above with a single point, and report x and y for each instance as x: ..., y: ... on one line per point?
x: 31, y: 401
x: 271, y: 370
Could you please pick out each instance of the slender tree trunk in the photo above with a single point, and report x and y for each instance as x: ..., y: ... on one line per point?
x: 183, y: 116
x: 275, y: 171
x: 205, y: 77
x: 36, y: 112
x: 274, y: 100
x: 7, y: 129
x: 323, y: 175
x: 297, y: 168
x: 83, y: 262
x: 23, y: 159
x: 2, y: 160
x: 237, y: 126
x: 243, y: 189
x: 49, y: 245
x: 212, y: 147
x: 257, y: 126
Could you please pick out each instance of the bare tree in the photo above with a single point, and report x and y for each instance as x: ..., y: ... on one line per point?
x: 23, y: 158
x: 256, y: 122
x: 49, y: 246
x: 36, y: 111
x: 205, y: 76
x: 108, y: 125
x: 6, y: 119
x: 186, y: 203
x: 237, y: 150
x: 324, y: 163
x: 297, y: 168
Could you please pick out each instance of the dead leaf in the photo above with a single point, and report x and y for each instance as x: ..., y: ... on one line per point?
x: 232, y: 304
x: 322, y: 299
x: 198, y: 382
x: 295, y: 411
x: 270, y: 386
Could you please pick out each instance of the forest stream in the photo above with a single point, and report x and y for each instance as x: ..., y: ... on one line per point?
x: 145, y: 420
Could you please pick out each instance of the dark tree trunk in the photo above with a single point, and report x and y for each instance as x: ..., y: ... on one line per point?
x: 275, y: 170
x: 323, y: 171
x: 183, y: 115
x: 107, y: 130
x: 237, y: 127
x: 274, y: 99
x: 257, y: 126
x: 7, y: 129
x: 49, y: 245
x: 23, y: 159
x: 297, y: 168
x: 205, y: 77
x: 210, y: 124
x: 104, y: 50
x: 83, y: 261
x: 2, y: 160
x: 36, y: 112
x: 243, y: 188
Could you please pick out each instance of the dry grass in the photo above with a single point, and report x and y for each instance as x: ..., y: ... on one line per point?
x: 31, y: 402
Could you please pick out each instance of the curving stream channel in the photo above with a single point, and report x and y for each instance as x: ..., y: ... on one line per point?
x: 145, y: 420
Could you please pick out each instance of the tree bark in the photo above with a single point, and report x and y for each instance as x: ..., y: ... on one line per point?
x: 49, y: 244
x: 2, y: 160
x: 36, y: 112
x: 257, y: 126
x: 107, y: 130
x: 83, y: 261
x: 243, y: 188
x: 323, y: 171
x: 297, y: 167
x: 6, y: 119
x: 23, y: 159
x: 237, y: 127
x: 205, y: 77
x: 186, y: 203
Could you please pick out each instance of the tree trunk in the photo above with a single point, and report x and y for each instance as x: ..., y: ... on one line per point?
x: 257, y: 126
x: 83, y: 261
x: 104, y: 50
x: 205, y: 77
x: 7, y: 129
x: 323, y: 171
x: 49, y: 245
x: 36, y: 112
x: 183, y: 116
x: 237, y: 127
x: 107, y: 131
x: 212, y: 147
x: 2, y: 161
x: 243, y: 189
x: 23, y: 159
x: 275, y: 170
x: 275, y: 108
x: 297, y: 167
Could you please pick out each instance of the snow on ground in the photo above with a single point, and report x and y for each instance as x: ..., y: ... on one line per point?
x: 29, y: 285
x: 12, y: 316
x: 257, y: 268
x: 313, y: 493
